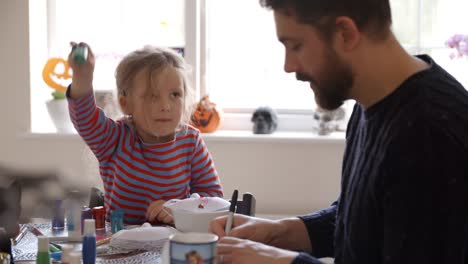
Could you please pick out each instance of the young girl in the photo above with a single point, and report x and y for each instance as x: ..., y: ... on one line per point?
x: 152, y: 154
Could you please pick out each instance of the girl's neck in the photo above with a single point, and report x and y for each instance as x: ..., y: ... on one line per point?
x: 153, y: 139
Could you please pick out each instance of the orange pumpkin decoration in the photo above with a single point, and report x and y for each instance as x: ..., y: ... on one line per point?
x: 52, y: 70
x: 207, y: 117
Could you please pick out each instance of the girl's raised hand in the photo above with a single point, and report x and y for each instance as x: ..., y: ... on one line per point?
x: 83, y: 70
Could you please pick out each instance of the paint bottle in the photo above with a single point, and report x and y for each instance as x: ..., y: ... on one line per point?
x: 5, y: 258
x: 74, y: 221
x: 58, y: 217
x: 75, y: 258
x: 43, y: 255
x: 99, y: 215
x: 89, y: 242
x: 86, y: 213
x: 5, y: 248
x: 117, y: 217
x: 66, y: 250
x: 80, y: 54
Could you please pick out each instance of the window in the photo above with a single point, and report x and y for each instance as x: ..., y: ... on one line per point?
x: 112, y: 28
x: 245, y: 60
x: 232, y: 47
x: 423, y: 26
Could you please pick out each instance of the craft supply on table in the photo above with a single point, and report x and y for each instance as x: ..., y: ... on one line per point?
x: 20, y: 235
x: 6, y: 244
x: 43, y: 255
x: 117, y: 224
x: 232, y: 210
x: 57, y: 256
x: 147, y: 251
x: 75, y: 258
x: 74, y: 220
x: 53, y: 248
x: 144, y: 237
x: 35, y: 231
x: 86, y: 213
x: 99, y: 215
x: 103, y: 241
x: 5, y: 258
x: 66, y: 250
x: 58, y: 215
x: 89, y: 242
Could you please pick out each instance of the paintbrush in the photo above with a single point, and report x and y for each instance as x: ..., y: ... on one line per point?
x: 20, y: 235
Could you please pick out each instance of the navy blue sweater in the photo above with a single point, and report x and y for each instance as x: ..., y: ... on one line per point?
x: 404, y: 189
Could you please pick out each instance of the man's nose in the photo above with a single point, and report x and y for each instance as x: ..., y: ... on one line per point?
x: 290, y: 64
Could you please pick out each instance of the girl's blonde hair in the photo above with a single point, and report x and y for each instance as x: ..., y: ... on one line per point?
x: 154, y: 60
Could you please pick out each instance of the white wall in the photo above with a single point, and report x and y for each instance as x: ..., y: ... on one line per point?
x: 287, y: 177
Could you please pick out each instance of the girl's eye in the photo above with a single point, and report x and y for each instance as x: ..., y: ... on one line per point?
x: 176, y: 94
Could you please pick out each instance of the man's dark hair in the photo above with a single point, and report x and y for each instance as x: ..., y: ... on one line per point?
x: 371, y: 16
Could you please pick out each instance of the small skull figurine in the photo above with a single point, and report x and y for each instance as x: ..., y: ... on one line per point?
x: 327, y: 121
x: 265, y: 120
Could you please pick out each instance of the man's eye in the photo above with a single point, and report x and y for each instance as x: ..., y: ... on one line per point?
x: 296, y: 47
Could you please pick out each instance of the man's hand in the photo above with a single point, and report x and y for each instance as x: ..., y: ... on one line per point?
x: 256, y: 229
x: 287, y: 233
x: 235, y: 250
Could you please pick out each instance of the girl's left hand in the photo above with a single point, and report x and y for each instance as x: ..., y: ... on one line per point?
x: 157, y: 213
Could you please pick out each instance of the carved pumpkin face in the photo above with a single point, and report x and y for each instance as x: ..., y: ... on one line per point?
x: 55, y: 73
x: 206, y: 117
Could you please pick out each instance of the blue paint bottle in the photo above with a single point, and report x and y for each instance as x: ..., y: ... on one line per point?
x: 58, y: 218
x: 117, y: 217
x: 89, y: 242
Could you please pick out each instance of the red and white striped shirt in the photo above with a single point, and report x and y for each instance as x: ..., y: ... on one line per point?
x: 135, y: 173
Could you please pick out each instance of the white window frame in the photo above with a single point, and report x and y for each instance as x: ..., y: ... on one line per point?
x: 195, y: 55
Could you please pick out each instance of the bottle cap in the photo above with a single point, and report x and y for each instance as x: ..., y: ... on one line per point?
x: 66, y: 250
x: 42, y: 244
x: 89, y: 227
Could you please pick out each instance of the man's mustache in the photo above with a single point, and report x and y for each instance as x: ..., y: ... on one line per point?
x: 304, y: 77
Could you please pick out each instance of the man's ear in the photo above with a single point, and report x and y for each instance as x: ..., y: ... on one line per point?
x: 347, y: 33
x: 124, y: 105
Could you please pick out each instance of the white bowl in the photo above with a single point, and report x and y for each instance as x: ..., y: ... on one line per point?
x: 189, y: 221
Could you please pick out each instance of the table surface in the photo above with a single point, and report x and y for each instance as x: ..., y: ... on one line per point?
x: 25, y: 251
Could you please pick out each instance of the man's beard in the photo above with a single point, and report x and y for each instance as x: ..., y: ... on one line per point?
x: 333, y: 84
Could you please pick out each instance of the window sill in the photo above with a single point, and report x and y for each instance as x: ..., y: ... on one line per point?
x: 277, y: 137
x: 225, y: 136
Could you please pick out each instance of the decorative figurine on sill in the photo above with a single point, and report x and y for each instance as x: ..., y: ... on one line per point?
x: 265, y: 120
x: 206, y: 117
x: 57, y: 75
x: 326, y: 121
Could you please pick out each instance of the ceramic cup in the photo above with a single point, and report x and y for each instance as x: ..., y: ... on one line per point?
x: 187, y: 221
x: 191, y: 248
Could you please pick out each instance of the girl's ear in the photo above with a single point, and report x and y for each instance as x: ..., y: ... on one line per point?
x: 124, y: 105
